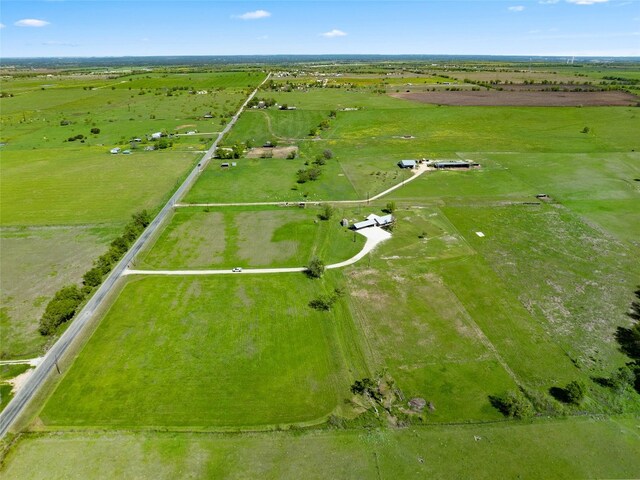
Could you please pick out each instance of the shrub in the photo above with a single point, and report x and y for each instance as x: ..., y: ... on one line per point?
x: 315, y: 269
x: 95, y: 131
x: 327, y: 212
x: 513, y: 404
x: 575, y: 392
x: 60, y: 308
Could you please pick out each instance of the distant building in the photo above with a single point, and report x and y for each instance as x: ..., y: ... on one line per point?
x: 267, y: 145
x: 156, y: 136
x: 453, y: 165
x: 224, y: 165
x: 115, y: 150
x: 407, y: 164
x: 207, y: 115
x: 126, y: 152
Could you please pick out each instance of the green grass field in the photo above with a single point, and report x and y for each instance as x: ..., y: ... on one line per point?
x: 446, y: 314
x: 224, y: 352
x: 571, y: 448
x: 228, y: 237
x: 36, y: 262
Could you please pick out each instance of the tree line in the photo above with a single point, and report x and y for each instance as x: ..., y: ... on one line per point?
x: 64, y: 304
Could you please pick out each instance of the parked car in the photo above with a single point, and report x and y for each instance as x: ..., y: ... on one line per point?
x: 237, y: 270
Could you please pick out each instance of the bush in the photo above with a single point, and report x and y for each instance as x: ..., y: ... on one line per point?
x: 60, y: 308
x: 315, y: 269
x: 513, y: 404
x: 327, y: 212
x: 93, y: 277
x: 575, y: 392
x: 328, y: 154
x: 95, y: 131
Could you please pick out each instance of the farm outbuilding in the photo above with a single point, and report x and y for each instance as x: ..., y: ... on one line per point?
x: 452, y: 165
x: 407, y: 164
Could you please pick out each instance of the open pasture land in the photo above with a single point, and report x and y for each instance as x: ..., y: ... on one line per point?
x: 85, y: 185
x: 438, y: 318
x: 607, y: 449
x: 522, y: 98
x: 268, y: 180
x: 230, y: 237
x: 238, y: 352
x: 36, y: 262
x: 573, y: 280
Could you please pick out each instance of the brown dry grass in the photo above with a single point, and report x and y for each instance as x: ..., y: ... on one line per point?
x: 519, y: 98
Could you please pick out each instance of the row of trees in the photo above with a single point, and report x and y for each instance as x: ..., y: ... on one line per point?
x: 64, y: 304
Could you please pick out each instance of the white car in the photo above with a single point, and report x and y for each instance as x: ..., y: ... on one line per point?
x: 236, y: 270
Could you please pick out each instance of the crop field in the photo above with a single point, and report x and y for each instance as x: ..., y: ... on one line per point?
x: 244, y: 237
x: 482, y: 289
x: 224, y: 352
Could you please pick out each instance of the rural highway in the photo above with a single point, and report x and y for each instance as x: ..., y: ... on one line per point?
x: 374, y: 235
x: 17, y: 405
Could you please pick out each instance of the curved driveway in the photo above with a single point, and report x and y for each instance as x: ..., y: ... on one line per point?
x: 374, y: 235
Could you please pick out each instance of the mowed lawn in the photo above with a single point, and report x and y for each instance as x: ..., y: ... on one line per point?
x: 229, y: 351
x: 571, y: 448
x: 258, y: 237
x: 85, y: 185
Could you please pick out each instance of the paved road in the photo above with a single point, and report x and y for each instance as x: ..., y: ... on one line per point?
x: 419, y: 170
x: 49, y: 361
x: 374, y: 235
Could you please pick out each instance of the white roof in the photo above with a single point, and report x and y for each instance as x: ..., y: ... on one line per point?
x: 364, y: 224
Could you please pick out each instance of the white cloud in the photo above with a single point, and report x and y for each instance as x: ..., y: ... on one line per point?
x: 258, y: 14
x: 548, y: 2
x: 586, y: 2
x: 31, y: 22
x: 1, y: 25
x: 517, y: 8
x: 334, y: 33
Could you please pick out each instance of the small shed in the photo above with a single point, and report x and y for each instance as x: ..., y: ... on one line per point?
x: 115, y: 150
x: 407, y: 164
x: 267, y: 145
x: 156, y: 135
x: 344, y: 222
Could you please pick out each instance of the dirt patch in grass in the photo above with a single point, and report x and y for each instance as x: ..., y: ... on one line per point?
x: 519, y: 98
x: 276, y: 152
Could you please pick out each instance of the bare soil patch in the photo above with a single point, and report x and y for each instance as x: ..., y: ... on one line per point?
x: 275, y: 152
x: 520, y: 98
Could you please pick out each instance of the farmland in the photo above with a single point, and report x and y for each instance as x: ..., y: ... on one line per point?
x: 483, y: 289
x: 64, y: 197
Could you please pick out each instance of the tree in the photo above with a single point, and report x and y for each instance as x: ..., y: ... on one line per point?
x: 513, y: 404
x: 60, y: 308
x: 315, y: 269
x: 575, y: 392
x: 95, y: 131
x: 328, y: 154
x: 585, y: 130
x: 326, y: 212
x: 391, y: 207
x: 92, y: 278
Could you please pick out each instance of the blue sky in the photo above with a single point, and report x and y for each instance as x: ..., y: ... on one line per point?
x: 457, y: 27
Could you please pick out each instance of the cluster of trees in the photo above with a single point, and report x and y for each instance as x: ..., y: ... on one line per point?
x: 64, y: 304
x: 268, y: 102
x: 629, y: 341
x: 312, y: 173
x: 77, y: 137
x: 325, y: 302
x: 236, y: 151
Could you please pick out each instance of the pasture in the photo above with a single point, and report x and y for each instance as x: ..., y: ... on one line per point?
x: 230, y: 351
x: 606, y: 449
x: 230, y: 237
x: 449, y: 315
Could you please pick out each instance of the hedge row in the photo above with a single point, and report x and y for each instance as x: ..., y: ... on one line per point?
x: 62, y: 307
